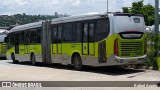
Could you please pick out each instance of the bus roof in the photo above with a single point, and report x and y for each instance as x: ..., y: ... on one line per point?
x: 26, y: 26
x: 57, y: 20
x: 69, y: 19
x: 78, y: 18
x: 3, y: 31
x: 89, y: 17
x: 127, y: 14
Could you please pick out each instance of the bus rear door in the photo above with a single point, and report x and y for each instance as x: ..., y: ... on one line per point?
x: 57, y: 40
x: 88, y: 39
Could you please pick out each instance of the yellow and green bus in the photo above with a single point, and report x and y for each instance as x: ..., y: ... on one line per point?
x: 3, y: 49
x: 112, y: 39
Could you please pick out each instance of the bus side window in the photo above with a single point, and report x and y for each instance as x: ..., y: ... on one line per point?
x: 21, y: 37
x: 26, y: 37
x: 17, y: 39
x: 59, y: 40
x: 74, y: 31
x: 78, y: 33
x: 85, y: 32
x: 91, y: 32
x: 33, y: 35
x: 12, y: 39
x: 54, y: 34
x: 39, y: 35
x: 102, y: 29
x: 69, y: 34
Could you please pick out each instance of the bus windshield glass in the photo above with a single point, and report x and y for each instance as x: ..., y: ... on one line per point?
x: 2, y: 36
x: 129, y: 24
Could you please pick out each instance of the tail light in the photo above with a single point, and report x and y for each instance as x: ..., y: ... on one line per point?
x: 145, y: 46
x: 116, y: 47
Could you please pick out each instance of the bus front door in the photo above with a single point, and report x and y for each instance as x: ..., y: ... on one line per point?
x: 88, y: 39
x: 57, y: 43
x: 57, y: 40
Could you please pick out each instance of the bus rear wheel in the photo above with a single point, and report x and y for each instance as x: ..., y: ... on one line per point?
x: 33, y: 60
x: 13, y: 58
x: 77, y: 62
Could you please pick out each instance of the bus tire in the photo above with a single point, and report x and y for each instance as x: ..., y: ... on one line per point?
x: 13, y: 58
x: 77, y: 62
x: 33, y: 60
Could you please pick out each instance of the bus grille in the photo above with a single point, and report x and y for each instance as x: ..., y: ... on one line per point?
x: 131, y: 49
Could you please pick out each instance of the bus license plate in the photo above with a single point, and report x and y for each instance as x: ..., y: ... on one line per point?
x: 132, y: 62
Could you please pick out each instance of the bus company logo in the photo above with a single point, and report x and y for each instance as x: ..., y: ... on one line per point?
x: 6, y: 84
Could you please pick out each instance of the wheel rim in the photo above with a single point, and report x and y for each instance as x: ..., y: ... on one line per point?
x: 77, y: 62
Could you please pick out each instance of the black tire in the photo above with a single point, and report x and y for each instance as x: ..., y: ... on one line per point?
x: 14, y: 60
x: 77, y: 62
x: 33, y: 60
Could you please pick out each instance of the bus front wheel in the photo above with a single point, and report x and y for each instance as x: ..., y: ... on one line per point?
x: 77, y: 62
x: 13, y: 58
x: 33, y: 60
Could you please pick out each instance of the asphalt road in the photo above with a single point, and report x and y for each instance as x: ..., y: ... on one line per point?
x: 26, y: 72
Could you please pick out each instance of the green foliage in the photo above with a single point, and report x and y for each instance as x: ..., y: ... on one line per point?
x: 21, y: 19
x: 153, y: 39
x: 154, y: 45
x: 148, y: 13
x: 139, y: 8
x: 126, y: 10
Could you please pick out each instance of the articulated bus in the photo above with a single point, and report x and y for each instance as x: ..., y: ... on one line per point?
x: 3, y: 49
x: 112, y: 39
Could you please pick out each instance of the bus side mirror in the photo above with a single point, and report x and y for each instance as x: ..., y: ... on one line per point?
x: 6, y: 40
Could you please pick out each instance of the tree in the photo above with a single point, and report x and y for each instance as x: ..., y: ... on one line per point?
x: 148, y: 13
x: 126, y: 10
x: 21, y: 19
x: 139, y: 8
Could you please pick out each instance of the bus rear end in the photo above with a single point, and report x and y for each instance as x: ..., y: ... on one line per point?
x: 129, y: 39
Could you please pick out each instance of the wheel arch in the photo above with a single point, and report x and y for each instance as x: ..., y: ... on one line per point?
x: 73, y: 54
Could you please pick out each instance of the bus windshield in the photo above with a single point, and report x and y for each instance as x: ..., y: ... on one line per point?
x: 129, y: 23
x: 2, y: 36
